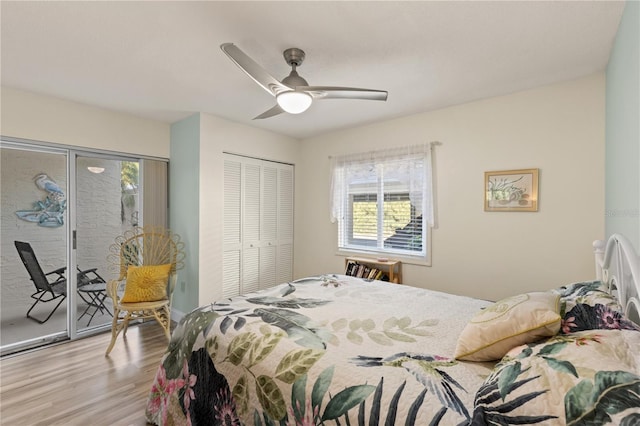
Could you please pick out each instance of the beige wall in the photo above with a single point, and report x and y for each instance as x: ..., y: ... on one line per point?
x: 558, y: 129
x: 218, y: 135
x: 32, y: 116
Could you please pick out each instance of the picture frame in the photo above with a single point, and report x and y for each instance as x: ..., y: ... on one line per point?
x: 511, y: 190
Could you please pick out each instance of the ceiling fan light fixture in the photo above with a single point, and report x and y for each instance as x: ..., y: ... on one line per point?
x: 294, y: 102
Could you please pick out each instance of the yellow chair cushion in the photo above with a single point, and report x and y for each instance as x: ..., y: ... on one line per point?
x: 508, y: 323
x: 146, y: 283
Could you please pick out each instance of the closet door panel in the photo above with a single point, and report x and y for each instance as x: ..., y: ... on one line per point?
x: 268, y: 255
x: 232, y: 236
x: 250, y: 270
x: 285, y: 224
x: 285, y: 263
x: 285, y: 205
x: 231, y: 273
x: 269, y: 228
x: 232, y: 203
x: 251, y: 204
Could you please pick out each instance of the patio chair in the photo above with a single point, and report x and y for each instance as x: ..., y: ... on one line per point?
x: 147, y: 259
x: 92, y: 289
x: 47, y: 289
x: 55, y: 288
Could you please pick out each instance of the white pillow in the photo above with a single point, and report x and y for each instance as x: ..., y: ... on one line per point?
x: 508, y: 323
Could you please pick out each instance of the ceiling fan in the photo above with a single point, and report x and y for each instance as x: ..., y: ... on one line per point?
x: 293, y: 94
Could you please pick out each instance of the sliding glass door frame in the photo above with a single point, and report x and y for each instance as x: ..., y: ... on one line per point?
x: 72, y: 154
x: 21, y: 145
x: 73, y: 202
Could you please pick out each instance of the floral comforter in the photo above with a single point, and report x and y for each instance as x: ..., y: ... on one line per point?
x: 320, y: 350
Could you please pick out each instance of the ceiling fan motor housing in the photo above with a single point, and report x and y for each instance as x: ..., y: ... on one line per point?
x: 294, y: 56
x: 294, y: 80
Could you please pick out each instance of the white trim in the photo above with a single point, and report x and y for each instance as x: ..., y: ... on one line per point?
x: 177, y: 315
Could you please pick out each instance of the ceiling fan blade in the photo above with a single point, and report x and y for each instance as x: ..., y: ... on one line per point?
x: 270, y: 112
x: 253, y: 70
x: 329, y: 92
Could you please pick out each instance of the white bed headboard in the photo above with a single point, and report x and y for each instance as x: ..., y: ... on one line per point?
x: 618, y: 265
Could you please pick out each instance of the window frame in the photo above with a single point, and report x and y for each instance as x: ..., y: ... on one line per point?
x: 343, y: 201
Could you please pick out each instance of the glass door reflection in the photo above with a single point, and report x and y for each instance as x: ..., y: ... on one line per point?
x: 106, y: 205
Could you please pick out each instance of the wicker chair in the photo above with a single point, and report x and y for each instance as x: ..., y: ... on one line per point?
x: 137, y: 248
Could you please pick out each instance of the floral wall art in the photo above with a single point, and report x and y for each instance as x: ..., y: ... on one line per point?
x: 511, y: 190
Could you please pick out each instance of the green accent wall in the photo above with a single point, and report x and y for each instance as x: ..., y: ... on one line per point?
x: 622, y: 170
x: 184, y: 204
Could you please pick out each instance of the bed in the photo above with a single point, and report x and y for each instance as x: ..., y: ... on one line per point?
x: 336, y: 349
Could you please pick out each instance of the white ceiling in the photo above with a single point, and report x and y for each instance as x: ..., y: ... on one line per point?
x: 162, y: 60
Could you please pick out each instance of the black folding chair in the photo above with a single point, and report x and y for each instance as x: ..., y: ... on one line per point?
x: 46, y: 290
x: 91, y: 286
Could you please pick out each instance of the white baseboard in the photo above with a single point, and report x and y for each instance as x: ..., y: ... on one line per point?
x: 176, y: 315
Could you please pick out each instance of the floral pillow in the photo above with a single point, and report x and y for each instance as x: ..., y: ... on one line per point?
x: 589, y: 377
x: 598, y: 317
x: 587, y: 293
x: 588, y: 306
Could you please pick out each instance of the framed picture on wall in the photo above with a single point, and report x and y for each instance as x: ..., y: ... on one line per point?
x: 511, y: 191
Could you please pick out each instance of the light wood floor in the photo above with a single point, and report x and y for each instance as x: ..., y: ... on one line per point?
x: 75, y: 384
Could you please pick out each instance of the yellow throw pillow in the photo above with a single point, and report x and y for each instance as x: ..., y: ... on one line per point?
x: 508, y: 323
x: 146, y: 283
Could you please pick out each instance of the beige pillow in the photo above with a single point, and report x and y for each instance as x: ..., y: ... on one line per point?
x: 146, y: 283
x: 508, y: 323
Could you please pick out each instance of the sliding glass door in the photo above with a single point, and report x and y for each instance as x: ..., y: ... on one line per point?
x: 63, y: 208
x: 107, y: 204
x: 34, y: 242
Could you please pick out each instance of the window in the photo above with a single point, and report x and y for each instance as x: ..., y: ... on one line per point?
x: 382, y: 201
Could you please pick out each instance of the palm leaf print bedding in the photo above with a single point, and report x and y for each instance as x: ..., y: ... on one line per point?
x: 322, y: 350
x: 339, y: 350
x: 585, y: 378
